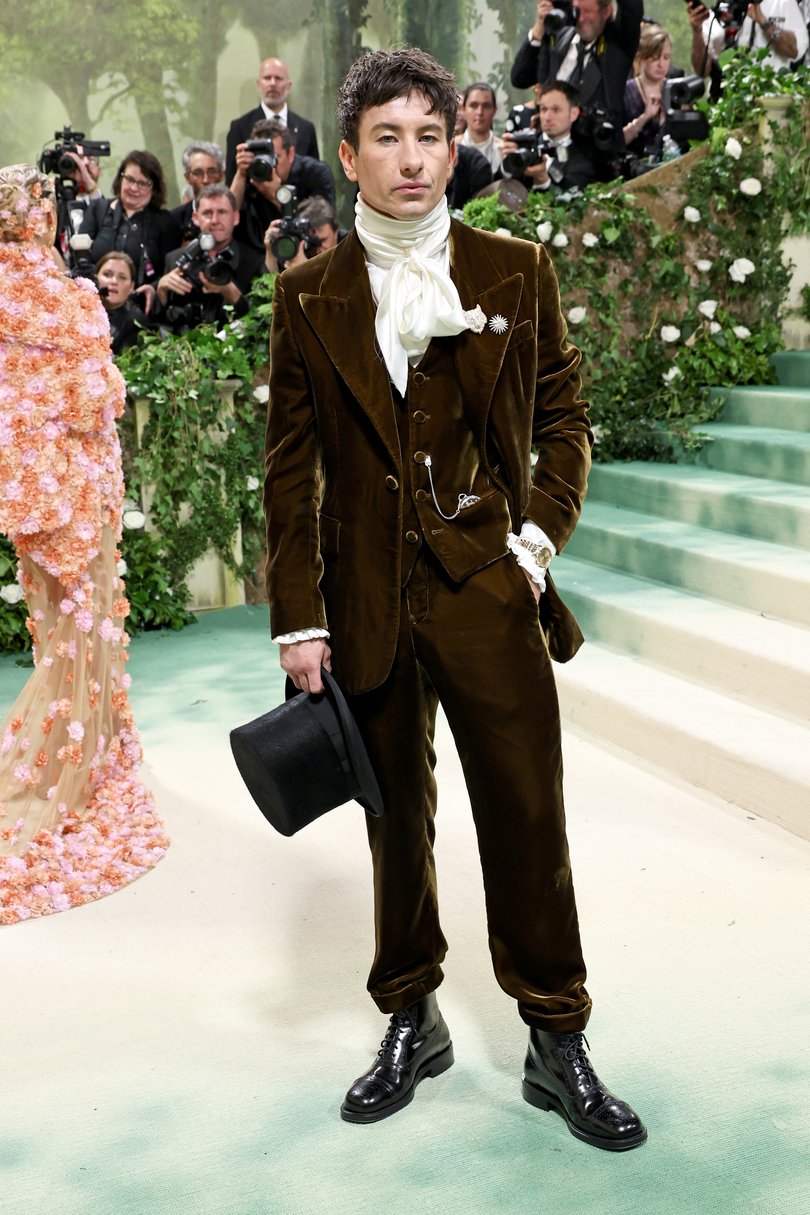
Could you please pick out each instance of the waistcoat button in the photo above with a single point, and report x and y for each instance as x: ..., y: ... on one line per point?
x: 421, y: 495
x: 419, y: 457
x: 419, y: 377
x: 420, y: 416
x: 392, y: 483
x: 412, y: 537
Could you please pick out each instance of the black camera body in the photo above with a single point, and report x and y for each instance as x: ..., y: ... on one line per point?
x: 596, y: 125
x: 563, y: 14
x: 533, y: 148
x: 264, y: 159
x: 293, y: 230
x: 55, y: 160
x: 684, y: 124
x: 194, y: 263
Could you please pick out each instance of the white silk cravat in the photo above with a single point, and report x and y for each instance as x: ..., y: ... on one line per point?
x: 408, y: 267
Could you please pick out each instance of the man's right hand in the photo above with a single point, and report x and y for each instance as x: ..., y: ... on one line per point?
x: 174, y: 281
x: 302, y: 661
x: 544, y: 7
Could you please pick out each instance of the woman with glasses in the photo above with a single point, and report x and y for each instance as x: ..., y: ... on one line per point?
x: 135, y: 221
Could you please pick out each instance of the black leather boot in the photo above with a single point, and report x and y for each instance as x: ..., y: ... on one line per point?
x: 558, y: 1076
x: 416, y: 1044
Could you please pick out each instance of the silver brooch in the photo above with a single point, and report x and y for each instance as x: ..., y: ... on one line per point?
x: 476, y: 319
x: 498, y: 323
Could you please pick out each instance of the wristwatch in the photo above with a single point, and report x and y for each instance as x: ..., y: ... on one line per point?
x: 541, y: 554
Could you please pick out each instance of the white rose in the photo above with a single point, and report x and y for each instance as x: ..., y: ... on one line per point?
x: 590, y: 240
x: 707, y: 308
x: 670, y: 376
x: 740, y: 268
x: 252, y: 483
x: 670, y: 333
x: 502, y: 232
x: 715, y: 327
x: 733, y: 148
x: 703, y: 265
x: 577, y: 315
x: 691, y: 215
x: 751, y: 186
x: 741, y: 332
x: 262, y: 393
x: 11, y: 593
x: 133, y: 519
x: 544, y: 230
x: 121, y: 568
x: 560, y: 240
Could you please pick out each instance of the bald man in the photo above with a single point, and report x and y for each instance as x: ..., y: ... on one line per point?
x: 274, y: 86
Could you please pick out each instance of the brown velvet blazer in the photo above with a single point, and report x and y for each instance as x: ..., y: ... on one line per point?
x: 334, y: 526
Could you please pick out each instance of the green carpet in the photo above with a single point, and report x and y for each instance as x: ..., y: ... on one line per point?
x: 182, y: 1047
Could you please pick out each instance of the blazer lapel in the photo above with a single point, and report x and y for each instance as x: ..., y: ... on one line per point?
x: 342, y: 316
x: 479, y: 356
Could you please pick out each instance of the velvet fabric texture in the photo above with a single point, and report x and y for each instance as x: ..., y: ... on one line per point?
x: 424, y: 610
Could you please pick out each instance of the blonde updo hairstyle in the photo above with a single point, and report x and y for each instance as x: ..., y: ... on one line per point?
x: 26, y: 204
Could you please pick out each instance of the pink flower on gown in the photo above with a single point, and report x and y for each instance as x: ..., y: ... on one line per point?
x: 75, y: 821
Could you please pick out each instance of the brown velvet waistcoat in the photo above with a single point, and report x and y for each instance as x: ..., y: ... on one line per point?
x: 334, y: 489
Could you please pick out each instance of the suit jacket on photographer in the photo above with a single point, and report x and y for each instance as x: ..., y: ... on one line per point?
x: 305, y: 140
x: 578, y: 164
x: 606, y: 68
x: 209, y: 307
x: 308, y: 177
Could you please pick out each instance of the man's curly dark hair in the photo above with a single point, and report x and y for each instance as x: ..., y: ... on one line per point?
x: 382, y: 76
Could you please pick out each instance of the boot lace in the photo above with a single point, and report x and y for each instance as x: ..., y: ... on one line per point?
x: 399, y: 1020
x: 574, y: 1052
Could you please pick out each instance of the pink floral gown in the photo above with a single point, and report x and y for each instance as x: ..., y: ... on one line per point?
x: 75, y: 822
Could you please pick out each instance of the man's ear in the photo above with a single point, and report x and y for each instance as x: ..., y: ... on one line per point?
x: 237, y: 217
x: 575, y: 113
x: 348, y: 157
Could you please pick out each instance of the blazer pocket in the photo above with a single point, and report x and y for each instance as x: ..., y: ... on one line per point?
x: 329, y: 536
x: 521, y: 333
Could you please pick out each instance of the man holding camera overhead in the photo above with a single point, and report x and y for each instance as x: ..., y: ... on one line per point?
x: 592, y: 47
x: 267, y: 162
x: 212, y: 271
x: 776, y: 25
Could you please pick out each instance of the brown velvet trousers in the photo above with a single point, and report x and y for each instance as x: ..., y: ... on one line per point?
x: 478, y: 650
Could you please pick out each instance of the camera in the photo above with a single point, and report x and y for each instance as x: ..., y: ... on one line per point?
x: 294, y: 229
x: 185, y: 316
x: 533, y: 147
x: 596, y: 124
x: 194, y: 262
x: 684, y: 124
x: 81, y: 265
x: 264, y: 159
x: 561, y: 15
x: 56, y: 160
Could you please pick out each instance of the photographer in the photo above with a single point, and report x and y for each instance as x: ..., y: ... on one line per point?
x: 555, y: 158
x: 644, y: 113
x: 116, y: 282
x: 203, y: 165
x: 591, y: 48
x: 262, y: 170
x: 315, y: 229
x: 776, y: 25
x: 200, y: 281
x: 135, y: 222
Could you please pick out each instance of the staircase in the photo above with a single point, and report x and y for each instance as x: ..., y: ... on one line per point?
x: 692, y: 584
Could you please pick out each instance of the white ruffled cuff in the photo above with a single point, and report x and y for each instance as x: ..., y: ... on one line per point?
x: 300, y: 635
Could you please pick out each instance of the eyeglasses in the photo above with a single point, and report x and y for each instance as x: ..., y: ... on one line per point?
x: 205, y: 174
x: 137, y: 183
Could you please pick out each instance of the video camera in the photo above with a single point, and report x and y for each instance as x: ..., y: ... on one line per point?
x: 264, y: 159
x: 194, y: 262
x: 293, y: 230
x: 684, y: 124
x: 57, y: 161
x: 81, y: 265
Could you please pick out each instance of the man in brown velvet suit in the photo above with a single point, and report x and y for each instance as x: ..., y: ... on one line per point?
x: 413, y: 367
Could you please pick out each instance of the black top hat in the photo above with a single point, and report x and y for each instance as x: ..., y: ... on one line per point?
x: 304, y: 758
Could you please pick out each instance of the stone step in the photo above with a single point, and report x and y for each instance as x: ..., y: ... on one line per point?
x: 749, y: 506
x: 792, y: 368
x: 732, y: 650
x: 749, y: 757
x: 780, y: 455
x: 769, y: 578
x: 776, y: 408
